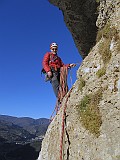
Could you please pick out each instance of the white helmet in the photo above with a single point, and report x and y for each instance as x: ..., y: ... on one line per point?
x: 53, y: 45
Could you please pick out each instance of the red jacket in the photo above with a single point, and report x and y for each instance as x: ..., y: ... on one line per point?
x: 52, y: 60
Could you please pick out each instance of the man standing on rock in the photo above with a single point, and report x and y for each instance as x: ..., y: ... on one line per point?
x: 52, y: 64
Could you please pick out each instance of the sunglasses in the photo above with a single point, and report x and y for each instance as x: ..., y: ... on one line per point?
x: 54, y: 49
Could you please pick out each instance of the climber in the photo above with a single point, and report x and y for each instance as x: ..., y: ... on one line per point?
x: 51, y: 66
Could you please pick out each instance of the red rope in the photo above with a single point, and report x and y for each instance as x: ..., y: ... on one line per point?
x: 62, y: 92
x: 63, y: 89
x: 62, y: 132
x: 55, y: 109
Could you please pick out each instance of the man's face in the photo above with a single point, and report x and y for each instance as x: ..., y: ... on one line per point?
x: 54, y: 50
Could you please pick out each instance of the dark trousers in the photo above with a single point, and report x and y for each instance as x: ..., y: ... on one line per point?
x: 55, y: 81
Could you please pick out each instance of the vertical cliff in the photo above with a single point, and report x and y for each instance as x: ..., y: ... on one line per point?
x: 92, y: 125
x: 80, y: 18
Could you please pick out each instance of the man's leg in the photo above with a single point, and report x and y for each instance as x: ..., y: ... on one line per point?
x: 55, y: 84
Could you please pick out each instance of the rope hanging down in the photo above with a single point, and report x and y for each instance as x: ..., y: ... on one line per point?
x: 63, y: 89
x: 63, y: 122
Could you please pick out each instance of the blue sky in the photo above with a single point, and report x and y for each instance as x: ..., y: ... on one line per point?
x: 27, y: 27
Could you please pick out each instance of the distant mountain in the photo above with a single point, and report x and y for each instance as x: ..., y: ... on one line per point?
x: 37, y: 127
x: 13, y: 133
x: 21, y: 138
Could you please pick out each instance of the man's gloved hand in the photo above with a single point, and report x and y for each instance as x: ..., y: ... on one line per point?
x: 49, y: 74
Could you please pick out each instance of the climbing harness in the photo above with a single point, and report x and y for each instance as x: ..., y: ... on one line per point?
x: 51, y: 60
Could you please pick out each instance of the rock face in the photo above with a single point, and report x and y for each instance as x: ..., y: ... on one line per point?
x: 80, y: 17
x: 92, y: 125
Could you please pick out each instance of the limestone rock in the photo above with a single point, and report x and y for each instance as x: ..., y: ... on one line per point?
x: 80, y: 17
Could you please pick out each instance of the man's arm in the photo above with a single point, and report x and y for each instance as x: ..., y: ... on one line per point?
x: 45, y: 63
x: 67, y: 65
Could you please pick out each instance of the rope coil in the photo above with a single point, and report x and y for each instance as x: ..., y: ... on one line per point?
x: 63, y: 89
